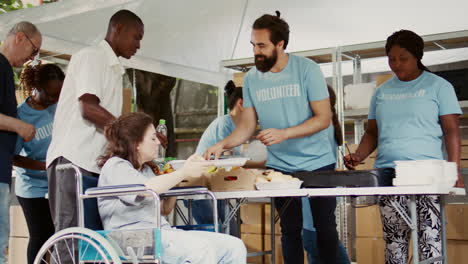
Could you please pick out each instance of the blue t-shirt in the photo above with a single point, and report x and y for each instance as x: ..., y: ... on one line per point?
x: 407, y: 115
x: 218, y: 129
x: 33, y: 183
x: 282, y: 100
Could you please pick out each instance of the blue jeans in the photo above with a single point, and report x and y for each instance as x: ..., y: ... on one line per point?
x: 4, y: 220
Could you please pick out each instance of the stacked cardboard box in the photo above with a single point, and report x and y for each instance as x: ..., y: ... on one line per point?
x: 457, y: 232
x: 370, y: 246
x: 369, y: 236
x: 19, y: 236
x: 464, y: 154
x: 256, y: 232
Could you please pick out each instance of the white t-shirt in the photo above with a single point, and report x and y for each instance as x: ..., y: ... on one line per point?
x: 94, y: 70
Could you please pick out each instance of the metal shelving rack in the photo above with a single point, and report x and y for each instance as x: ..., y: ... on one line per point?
x: 356, y: 53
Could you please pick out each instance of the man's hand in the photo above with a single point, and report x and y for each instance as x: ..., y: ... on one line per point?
x: 162, y: 139
x: 26, y: 131
x: 194, y: 167
x: 214, y: 150
x: 272, y: 136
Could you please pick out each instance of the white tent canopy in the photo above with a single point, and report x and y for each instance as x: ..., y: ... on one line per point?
x: 188, y: 39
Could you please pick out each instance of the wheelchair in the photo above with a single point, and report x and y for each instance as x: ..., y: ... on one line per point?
x: 87, y: 244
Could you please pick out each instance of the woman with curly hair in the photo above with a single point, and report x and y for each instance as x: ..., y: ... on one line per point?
x: 42, y: 85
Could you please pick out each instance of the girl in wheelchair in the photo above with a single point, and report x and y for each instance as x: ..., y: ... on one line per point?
x: 132, y: 145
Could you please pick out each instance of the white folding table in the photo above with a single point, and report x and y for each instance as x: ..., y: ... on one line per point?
x: 413, y: 191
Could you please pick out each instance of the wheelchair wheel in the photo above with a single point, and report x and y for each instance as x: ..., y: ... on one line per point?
x: 77, y: 245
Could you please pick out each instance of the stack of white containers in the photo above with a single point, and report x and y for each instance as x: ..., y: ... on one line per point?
x: 425, y: 172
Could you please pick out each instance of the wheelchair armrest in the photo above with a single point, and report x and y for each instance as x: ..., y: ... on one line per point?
x: 185, y: 191
x: 116, y: 190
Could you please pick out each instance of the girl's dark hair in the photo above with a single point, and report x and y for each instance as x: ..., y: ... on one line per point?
x: 123, y: 136
x: 233, y: 94
x: 410, y: 41
x: 335, y: 122
x: 38, y: 76
x: 279, y: 29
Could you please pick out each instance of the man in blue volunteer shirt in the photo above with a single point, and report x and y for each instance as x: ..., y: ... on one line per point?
x: 288, y: 96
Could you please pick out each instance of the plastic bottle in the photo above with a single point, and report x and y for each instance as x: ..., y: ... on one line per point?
x: 161, y: 128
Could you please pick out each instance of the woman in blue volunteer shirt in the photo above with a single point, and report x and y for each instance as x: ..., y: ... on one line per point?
x: 218, y: 129
x: 409, y: 117
x: 42, y: 84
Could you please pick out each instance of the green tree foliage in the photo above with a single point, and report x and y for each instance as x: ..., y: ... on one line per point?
x: 12, y: 5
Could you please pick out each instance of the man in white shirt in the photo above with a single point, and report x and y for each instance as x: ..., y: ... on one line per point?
x: 91, y: 98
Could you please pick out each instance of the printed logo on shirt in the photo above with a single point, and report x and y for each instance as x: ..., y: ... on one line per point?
x: 277, y: 92
x: 44, y: 132
x: 401, y: 96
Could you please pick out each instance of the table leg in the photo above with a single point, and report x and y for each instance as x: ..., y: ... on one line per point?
x: 443, y: 222
x: 414, y: 229
x: 190, y: 217
x: 272, y: 228
x: 226, y: 216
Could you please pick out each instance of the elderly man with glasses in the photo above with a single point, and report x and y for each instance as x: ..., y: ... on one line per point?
x: 21, y: 44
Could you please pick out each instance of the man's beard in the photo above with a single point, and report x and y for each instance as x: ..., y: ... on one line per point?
x: 267, y: 63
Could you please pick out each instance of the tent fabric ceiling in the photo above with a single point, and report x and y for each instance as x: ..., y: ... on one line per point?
x: 188, y: 39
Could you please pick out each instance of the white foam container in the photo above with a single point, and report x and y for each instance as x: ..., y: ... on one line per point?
x: 425, y: 172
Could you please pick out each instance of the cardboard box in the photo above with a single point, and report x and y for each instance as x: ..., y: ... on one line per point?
x: 194, y: 181
x: 379, y: 79
x: 368, y: 222
x: 239, y: 78
x: 278, y: 249
x: 239, y: 179
x: 370, y: 250
x: 457, y: 221
x: 252, y: 213
x: 254, y: 243
x: 267, y: 213
x: 18, y: 226
x: 17, y: 252
x: 457, y: 251
x: 464, y: 163
x: 358, y: 96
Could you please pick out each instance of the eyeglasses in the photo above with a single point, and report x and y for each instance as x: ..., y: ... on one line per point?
x: 35, y: 49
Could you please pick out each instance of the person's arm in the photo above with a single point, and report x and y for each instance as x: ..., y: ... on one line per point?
x: 367, y: 145
x: 23, y: 129
x: 92, y: 111
x: 191, y: 168
x: 167, y: 205
x: 27, y: 163
x: 450, y: 127
x: 320, y: 121
x: 242, y: 133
